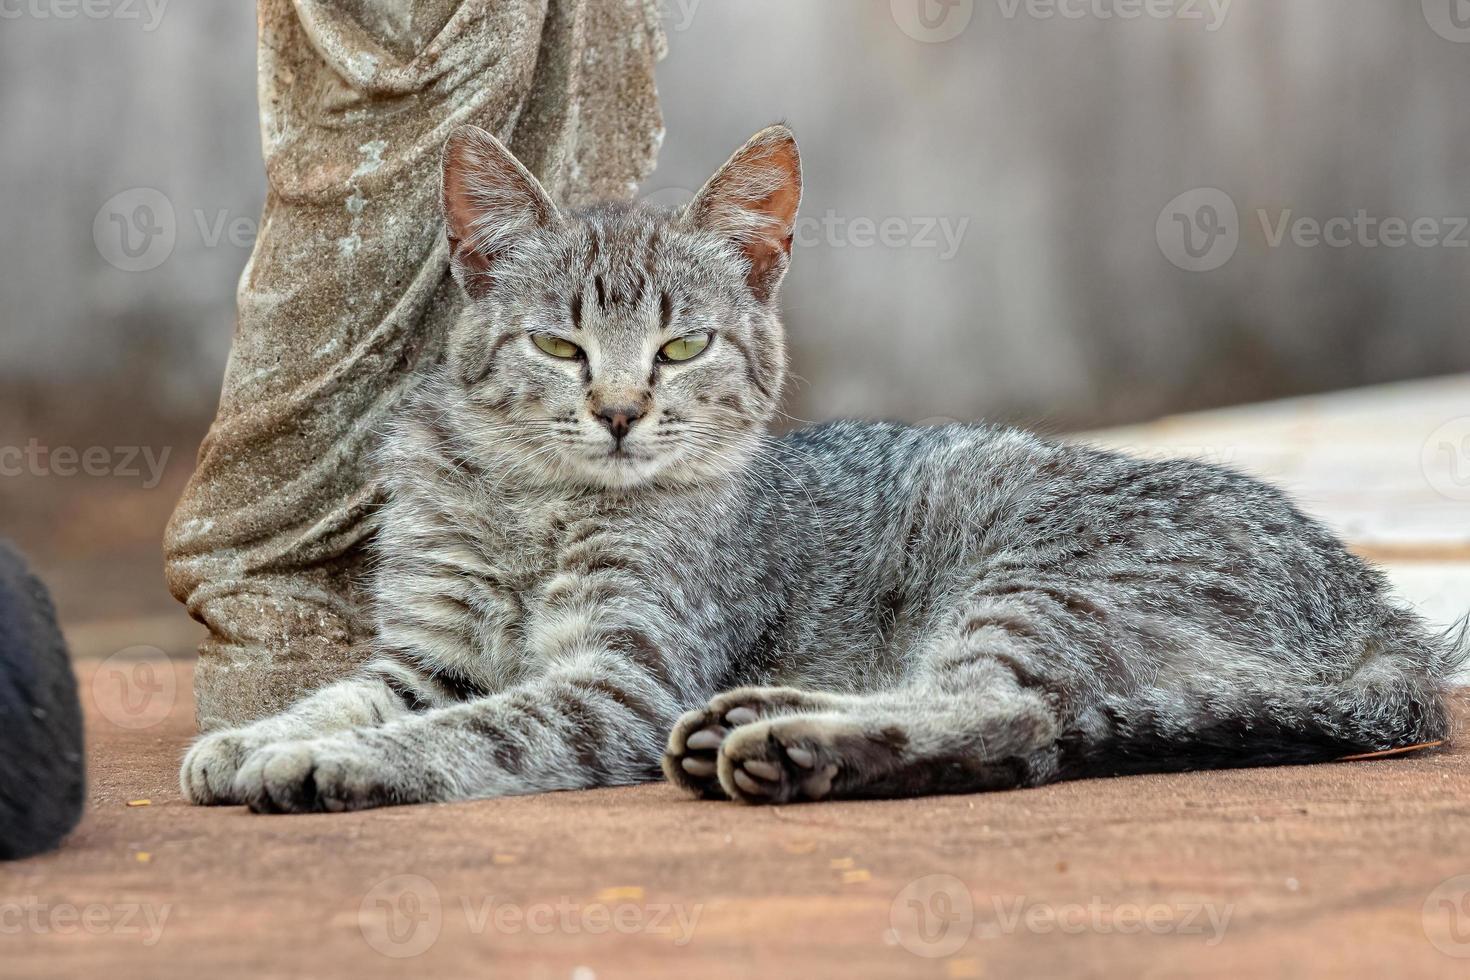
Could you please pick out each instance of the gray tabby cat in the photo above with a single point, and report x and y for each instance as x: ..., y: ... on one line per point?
x: 594, y: 561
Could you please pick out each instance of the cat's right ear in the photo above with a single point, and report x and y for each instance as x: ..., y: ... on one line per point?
x: 490, y: 203
x: 752, y: 203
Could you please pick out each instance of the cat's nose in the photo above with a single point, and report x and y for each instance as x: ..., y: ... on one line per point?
x: 619, y: 419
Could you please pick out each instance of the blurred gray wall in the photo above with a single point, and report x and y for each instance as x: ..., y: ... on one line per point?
x: 1045, y: 148
x: 95, y: 107
x: 1063, y: 139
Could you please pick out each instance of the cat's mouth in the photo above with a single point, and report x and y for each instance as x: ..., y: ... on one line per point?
x: 622, y: 460
x: 622, y: 453
x: 621, y: 467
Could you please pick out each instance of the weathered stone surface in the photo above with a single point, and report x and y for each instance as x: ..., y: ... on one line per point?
x: 348, y: 293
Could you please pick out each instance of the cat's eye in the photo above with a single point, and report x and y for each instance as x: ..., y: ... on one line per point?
x: 556, y: 347
x: 684, y: 348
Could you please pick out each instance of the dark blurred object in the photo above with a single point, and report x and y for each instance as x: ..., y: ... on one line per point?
x: 42, y: 774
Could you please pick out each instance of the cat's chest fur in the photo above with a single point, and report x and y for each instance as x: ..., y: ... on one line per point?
x: 525, y: 544
x: 475, y: 581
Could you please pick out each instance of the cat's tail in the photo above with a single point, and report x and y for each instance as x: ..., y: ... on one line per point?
x: 1392, y: 701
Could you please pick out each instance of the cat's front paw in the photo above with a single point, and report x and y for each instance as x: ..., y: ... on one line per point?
x: 323, y: 775
x: 806, y: 757
x: 207, y: 776
x: 691, y: 759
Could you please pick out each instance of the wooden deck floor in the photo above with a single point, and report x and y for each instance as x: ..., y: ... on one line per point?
x: 1354, y: 869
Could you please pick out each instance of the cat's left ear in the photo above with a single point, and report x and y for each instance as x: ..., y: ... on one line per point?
x: 491, y: 202
x: 752, y: 202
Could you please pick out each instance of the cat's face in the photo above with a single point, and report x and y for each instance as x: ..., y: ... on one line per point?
x: 620, y: 346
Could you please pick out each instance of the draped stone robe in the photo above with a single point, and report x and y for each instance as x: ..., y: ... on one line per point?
x: 347, y: 294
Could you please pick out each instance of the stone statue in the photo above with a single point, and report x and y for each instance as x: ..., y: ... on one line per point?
x: 348, y: 291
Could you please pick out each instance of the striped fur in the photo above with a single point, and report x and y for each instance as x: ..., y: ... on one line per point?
x: 852, y: 610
